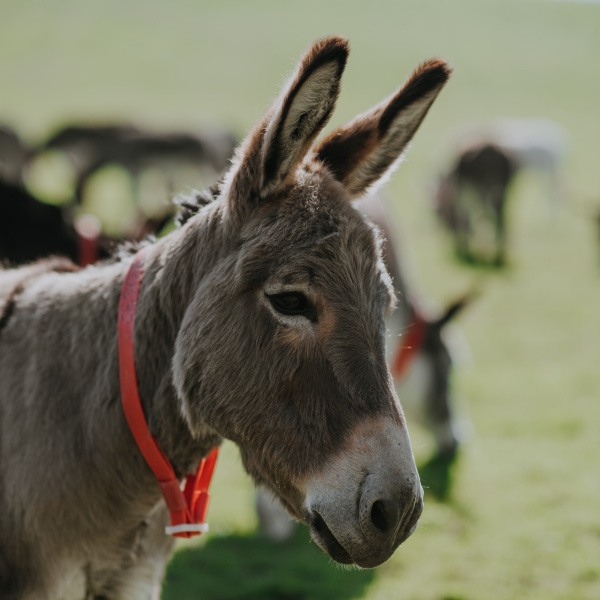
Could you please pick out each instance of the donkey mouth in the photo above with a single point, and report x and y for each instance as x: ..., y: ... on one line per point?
x: 321, y: 533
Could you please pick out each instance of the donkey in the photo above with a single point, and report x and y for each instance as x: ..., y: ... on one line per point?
x: 212, y: 149
x: 424, y: 378
x: 535, y: 144
x: 167, y: 152
x: 82, y: 144
x: 472, y: 196
x: 89, y: 148
x: 261, y: 320
x: 13, y: 155
x: 86, y: 145
x: 31, y: 230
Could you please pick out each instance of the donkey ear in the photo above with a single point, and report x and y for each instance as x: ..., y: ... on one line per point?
x: 272, y: 151
x: 302, y: 110
x: 360, y: 153
x: 456, y: 307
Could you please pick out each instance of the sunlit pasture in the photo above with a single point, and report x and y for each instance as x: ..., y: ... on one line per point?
x: 521, y: 519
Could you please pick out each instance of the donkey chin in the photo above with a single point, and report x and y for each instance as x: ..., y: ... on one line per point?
x: 367, y: 499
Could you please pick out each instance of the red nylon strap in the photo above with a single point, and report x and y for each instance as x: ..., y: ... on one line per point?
x: 87, y: 228
x: 187, y: 508
x: 415, y: 336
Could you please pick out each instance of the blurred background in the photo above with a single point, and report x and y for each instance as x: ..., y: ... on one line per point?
x: 513, y: 513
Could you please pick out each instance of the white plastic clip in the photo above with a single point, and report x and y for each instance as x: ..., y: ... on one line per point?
x: 196, y: 527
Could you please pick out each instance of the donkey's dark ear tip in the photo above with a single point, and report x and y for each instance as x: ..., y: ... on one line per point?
x: 334, y: 48
x: 428, y: 77
x: 436, y: 69
x: 334, y: 42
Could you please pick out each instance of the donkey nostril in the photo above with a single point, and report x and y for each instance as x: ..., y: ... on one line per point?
x: 319, y: 524
x: 379, y: 516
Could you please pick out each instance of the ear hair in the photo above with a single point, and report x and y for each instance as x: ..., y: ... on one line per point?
x: 303, y: 109
x: 275, y: 147
x: 360, y: 153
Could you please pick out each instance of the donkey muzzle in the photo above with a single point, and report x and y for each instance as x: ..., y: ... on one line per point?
x: 367, y: 500
x: 368, y: 537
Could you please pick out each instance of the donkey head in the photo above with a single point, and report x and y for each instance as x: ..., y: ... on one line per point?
x: 282, y: 349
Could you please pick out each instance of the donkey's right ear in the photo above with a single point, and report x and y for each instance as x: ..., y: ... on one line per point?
x: 456, y: 307
x: 362, y: 152
x: 270, y: 154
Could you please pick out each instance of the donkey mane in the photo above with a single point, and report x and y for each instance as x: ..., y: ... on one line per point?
x: 191, y: 203
x: 187, y: 205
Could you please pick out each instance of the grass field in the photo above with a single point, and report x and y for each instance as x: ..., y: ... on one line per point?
x: 523, y: 517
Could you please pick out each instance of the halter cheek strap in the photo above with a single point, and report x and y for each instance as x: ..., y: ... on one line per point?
x: 188, y: 507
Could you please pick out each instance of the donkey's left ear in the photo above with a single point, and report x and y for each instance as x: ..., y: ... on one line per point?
x: 363, y: 151
x: 302, y: 110
x: 272, y: 151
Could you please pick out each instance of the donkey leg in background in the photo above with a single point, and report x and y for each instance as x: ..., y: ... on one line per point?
x: 500, y: 234
x: 426, y: 386
x: 274, y: 522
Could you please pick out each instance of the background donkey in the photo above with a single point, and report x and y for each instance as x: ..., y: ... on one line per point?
x: 208, y: 152
x: 90, y: 148
x: 31, y: 229
x: 471, y: 199
x: 426, y: 382
x: 261, y: 320
x: 535, y: 144
x: 13, y: 155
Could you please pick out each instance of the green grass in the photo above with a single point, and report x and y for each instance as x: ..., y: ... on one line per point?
x: 521, y: 518
x: 246, y: 567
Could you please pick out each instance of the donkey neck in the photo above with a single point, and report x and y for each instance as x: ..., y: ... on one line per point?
x: 174, y: 270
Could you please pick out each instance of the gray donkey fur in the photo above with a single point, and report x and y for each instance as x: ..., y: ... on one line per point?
x: 260, y: 320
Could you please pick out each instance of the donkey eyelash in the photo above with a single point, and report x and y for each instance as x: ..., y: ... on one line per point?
x: 293, y: 304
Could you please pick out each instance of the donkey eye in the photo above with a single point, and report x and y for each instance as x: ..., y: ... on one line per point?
x: 289, y: 303
x: 292, y: 303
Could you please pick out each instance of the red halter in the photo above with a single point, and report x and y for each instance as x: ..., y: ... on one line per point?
x: 415, y: 336
x: 88, y: 229
x: 188, y: 508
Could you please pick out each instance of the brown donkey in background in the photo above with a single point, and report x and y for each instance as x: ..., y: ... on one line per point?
x: 261, y: 320
x: 472, y: 197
